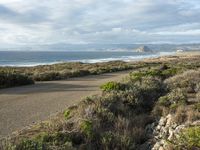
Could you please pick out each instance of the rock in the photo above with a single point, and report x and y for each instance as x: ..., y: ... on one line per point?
x: 169, y: 120
x: 162, y: 121
x: 171, y: 134
x: 196, y: 123
x: 166, y: 130
x: 179, y: 128
x: 161, y: 148
x: 174, y: 125
x: 156, y: 146
x: 143, y: 49
x: 158, y: 128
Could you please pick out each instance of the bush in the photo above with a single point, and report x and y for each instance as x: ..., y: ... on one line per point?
x: 10, y: 79
x: 151, y: 90
x: 138, y: 76
x: 46, y: 141
x: 175, y: 97
x: 170, y: 72
x: 189, y: 138
x: 66, y: 70
x: 188, y: 80
x: 30, y: 145
x: 162, y: 73
x: 112, y: 86
x: 184, y: 114
x: 67, y: 114
x: 47, y: 76
x: 87, y: 128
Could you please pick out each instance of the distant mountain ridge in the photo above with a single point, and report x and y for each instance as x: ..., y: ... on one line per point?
x: 101, y: 47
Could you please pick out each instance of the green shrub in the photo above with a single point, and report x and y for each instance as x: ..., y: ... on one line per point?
x: 67, y: 114
x: 29, y: 145
x: 162, y: 73
x: 105, y: 116
x: 87, y: 128
x: 46, y: 141
x: 151, y: 90
x: 170, y: 72
x: 189, y: 138
x: 107, y: 139
x: 173, y: 98
x: 138, y: 76
x: 112, y: 86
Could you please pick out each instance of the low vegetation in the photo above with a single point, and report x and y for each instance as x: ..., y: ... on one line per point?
x: 112, y: 86
x: 188, y: 138
x: 117, y: 118
x: 10, y: 79
x: 15, y: 76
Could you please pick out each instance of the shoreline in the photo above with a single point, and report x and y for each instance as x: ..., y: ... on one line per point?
x: 127, y: 59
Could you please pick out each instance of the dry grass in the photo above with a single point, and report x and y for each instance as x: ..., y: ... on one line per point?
x: 186, y: 114
x: 188, y: 80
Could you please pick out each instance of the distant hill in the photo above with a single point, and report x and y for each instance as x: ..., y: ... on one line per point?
x: 143, y: 49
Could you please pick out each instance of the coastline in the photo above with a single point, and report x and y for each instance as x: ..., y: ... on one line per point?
x: 128, y: 59
x: 125, y: 58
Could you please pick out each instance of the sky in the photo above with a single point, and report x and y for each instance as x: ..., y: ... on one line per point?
x: 27, y: 22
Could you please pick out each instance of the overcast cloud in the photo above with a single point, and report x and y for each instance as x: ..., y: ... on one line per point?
x: 99, y: 21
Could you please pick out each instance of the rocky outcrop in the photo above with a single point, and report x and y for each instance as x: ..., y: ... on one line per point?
x: 163, y: 131
x: 143, y: 49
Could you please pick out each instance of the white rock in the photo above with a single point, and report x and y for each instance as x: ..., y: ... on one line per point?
x: 161, y: 148
x: 156, y: 146
x: 169, y: 120
x: 162, y: 121
x: 174, y: 125
x: 178, y: 128
x: 196, y: 123
x: 171, y: 134
x: 158, y: 128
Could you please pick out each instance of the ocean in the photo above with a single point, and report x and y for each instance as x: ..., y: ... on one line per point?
x: 34, y: 58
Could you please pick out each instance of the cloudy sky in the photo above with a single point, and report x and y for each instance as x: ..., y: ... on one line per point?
x: 99, y: 21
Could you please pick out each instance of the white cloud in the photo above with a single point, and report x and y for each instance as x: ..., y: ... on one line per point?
x: 97, y: 21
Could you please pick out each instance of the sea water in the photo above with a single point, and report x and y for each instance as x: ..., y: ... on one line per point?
x: 34, y: 58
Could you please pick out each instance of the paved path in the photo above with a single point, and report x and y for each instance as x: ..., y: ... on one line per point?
x: 22, y: 106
